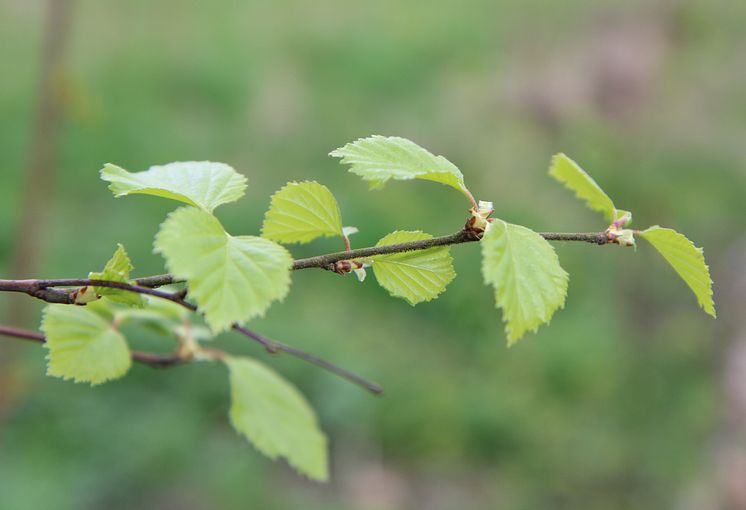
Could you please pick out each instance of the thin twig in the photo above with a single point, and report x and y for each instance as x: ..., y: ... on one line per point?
x: 463, y: 236
x: 147, y: 358
x: 167, y: 360
x: 599, y: 238
x: 35, y: 287
x: 47, y: 290
x: 275, y: 346
x: 158, y: 280
x: 325, y: 261
x: 43, y: 289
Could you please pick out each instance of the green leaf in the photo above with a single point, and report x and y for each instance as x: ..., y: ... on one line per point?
x: 276, y: 418
x: 569, y: 173
x: 232, y: 279
x: 83, y: 346
x: 414, y: 275
x: 300, y: 212
x: 379, y: 158
x: 117, y: 269
x: 530, y: 285
x: 687, y: 260
x: 203, y: 184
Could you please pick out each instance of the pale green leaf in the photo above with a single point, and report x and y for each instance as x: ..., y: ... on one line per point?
x: 413, y: 275
x: 203, y: 184
x: 276, y: 418
x: 300, y: 212
x: 117, y: 269
x: 84, y: 295
x: 232, y: 279
x: 687, y: 260
x: 379, y: 158
x: 530, y: 285
x: 83, y: 346
x: 569, y: 173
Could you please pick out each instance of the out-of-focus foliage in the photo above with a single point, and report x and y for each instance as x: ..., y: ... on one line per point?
x: 616, y: 405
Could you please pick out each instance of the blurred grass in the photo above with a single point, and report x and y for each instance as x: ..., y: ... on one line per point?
x: 612, y: 406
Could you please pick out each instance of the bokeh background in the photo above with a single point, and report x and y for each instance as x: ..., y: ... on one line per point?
x: 632, y: 398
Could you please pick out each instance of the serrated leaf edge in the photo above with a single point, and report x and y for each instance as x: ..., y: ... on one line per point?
x: 325, y: 234
x: 710, y: 303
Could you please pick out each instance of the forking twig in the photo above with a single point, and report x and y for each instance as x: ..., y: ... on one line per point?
x: 49, y: 291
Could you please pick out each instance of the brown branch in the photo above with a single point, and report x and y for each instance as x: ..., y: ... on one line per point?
x: 159, y: 360
x: 46, y: 289
x: 43, y: 147
x: 273, y: 346
x: 599, y: 238
x: 158, y: 280
x: 167, y: 360
x: 463, y: 236
x: 147, y: 358
x: 325, y: 261
x: 40, y: 289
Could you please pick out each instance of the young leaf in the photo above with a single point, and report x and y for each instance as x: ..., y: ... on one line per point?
x: 300, y: 212
x: 378, y: 158
x: 569, y: 173
x: 414, y: 275
x: 530, y: 285
x: 348, y: 231
x: 276, y: 418
x: 687, y: 260
x: 232, y: 279
x: 203, y: 184
x: 83, y: 346
x: 117, y: 269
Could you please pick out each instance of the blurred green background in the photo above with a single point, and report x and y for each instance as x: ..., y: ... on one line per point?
x: 632, y: 398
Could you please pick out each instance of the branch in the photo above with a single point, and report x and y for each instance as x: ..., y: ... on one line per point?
x: 146, y: 358
x: 325, y: 261
x: 274, y: 346
x: 41, y: 289
x: 158, y: 280
x: 463, y: 236
x: 168, y: 360
x: 46, y: 290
